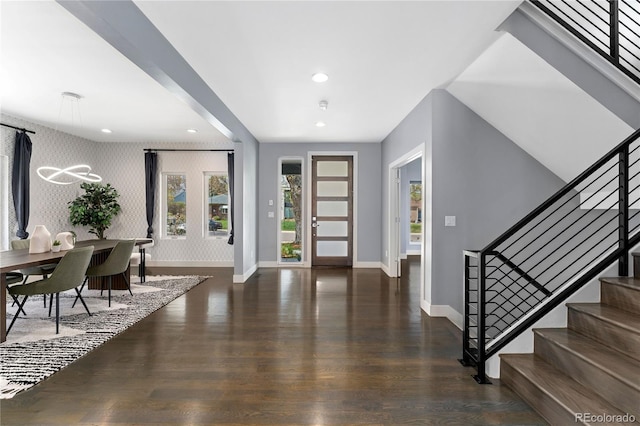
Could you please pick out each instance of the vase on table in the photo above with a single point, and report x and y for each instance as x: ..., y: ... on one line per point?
x: 66, y: 240
x: 40, y: 241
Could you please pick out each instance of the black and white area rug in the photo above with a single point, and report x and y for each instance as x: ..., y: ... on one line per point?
x: 34, y: 352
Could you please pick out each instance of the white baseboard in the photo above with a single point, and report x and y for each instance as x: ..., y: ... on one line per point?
x: 372, y: 265
x: 443, y: 311
x: 385, y: 269
x: 275, y: 264
x: 244, y: 277
x: 190, y: 263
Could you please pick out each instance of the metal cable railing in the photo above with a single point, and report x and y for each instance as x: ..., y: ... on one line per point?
x: 566, y: 242
x: 610, y: 27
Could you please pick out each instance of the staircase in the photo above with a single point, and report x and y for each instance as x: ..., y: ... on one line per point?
x: 592, y: 367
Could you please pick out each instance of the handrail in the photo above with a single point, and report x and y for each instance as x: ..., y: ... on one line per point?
x: 551, y: 253
x: 585, y: 20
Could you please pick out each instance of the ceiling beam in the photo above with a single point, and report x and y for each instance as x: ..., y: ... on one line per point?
x: 123, y: 25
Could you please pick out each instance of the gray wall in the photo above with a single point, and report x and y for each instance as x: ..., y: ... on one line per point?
x: 478, y: 175
x: 482, y: 178
x: 412, y: 132
x: 368, y: 220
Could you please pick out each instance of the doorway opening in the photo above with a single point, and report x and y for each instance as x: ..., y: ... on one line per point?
x: 408, y: 219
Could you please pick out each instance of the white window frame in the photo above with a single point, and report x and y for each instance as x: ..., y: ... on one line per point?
x: 165, y: 207
x: 205, y: 208
x: 304, y: 262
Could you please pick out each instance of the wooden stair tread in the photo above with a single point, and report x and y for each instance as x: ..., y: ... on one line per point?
x: 629, y: 282
x: 570, y: 394
x: 622, y: 367
x: 623, y: 319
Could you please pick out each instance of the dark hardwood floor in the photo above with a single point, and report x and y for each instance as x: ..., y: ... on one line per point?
x: 288, y: 347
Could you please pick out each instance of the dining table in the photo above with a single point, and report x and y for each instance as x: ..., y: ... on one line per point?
x: 12, y: 260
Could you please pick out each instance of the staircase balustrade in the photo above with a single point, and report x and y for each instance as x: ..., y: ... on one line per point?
x: 610, y: 27
x: 566, y: 242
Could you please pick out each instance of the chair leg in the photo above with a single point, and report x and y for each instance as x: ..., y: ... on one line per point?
x: 50, y: 302
x: 15, y: 317
x: 17, y: 301
x: 82, y: 300
x: 57, y: 313
x: 127, y: 280
x: 44, y: 296
x: 109, y: 280
x: 81, y: 287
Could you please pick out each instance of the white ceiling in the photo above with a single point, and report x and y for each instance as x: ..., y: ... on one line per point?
x: 382, y: 57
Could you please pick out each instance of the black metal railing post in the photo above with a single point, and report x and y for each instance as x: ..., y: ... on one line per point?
x: 614, y: 31
x: 466, y: 348
x: 481, y: 332
x: 623, y: 209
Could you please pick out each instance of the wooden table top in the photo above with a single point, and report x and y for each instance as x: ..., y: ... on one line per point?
x: 17, y: 259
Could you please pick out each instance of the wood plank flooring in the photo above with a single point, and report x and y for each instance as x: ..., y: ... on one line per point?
x: 289, y: 347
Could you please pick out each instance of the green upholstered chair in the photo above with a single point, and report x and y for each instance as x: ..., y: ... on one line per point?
x: 44, y: 270
x: 117, y: 263
x: 68, y: 274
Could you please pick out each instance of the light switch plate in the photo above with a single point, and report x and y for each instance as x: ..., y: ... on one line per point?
x: 271, y: 215
x: 270, y: 202
x: 449, y: 221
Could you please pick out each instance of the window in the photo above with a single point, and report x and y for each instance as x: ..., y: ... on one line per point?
x: 291, y: 213
x: 175, y: 186
x: 415, y: 211
x: 217, y: 204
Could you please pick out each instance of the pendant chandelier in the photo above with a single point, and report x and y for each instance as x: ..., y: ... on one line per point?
x: 72, y: 174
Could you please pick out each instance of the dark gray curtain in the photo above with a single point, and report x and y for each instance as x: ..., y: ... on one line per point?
x: 231, y: 198
x: 20, y: 182
x: 151, y: 180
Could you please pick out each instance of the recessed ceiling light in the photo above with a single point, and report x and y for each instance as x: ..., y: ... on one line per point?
x: 106, y: 131
x: 320, y: 124
x: 320, y: 77
x: 192, y: 130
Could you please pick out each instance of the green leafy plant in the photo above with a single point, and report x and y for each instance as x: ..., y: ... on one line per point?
x: 56, y: 243
x: 96, y: 208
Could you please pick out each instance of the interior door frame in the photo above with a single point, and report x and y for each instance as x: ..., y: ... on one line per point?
x: 393, y: 237
x: 308, y: 231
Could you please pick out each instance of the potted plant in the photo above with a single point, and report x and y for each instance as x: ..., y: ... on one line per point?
x: 55, y: 246
x: 96, y: 208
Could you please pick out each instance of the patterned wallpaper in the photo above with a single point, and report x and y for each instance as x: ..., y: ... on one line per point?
x: 121, y: 165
